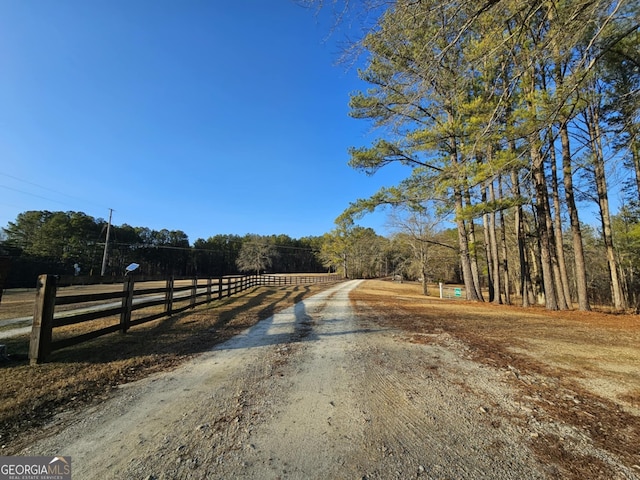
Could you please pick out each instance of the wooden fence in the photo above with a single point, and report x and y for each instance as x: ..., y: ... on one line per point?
x: 196, y: 291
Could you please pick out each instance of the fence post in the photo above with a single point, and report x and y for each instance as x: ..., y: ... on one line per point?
x: 219, y: 288
x: 127, y: 303
x: 440, y: 285
x: 168, y: 297
x: 42, y: 328
x: 194, y: 291
x: 209, y: 290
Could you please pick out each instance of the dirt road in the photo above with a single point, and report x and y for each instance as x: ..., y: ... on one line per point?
x: 315, y: 391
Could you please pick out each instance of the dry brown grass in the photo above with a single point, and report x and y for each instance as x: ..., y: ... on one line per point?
x: 17, y: 303
x: 577, y: 368
x: 32, y: 396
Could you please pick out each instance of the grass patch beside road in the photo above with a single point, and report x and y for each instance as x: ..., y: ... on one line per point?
x: 32, y: 397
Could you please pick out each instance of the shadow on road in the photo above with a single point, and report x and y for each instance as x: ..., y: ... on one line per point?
x: 185, y: 334
x: 266, y: 332
x: 230, y: 324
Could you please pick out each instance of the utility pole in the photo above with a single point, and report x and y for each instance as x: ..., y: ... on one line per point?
x: 106, y: 246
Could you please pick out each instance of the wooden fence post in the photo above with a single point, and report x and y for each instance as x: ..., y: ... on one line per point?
x: 127, y: 303
x: 168, y: 297
x: 219, y: 288
x: 194, y: 291
x: 42, y: 328
x: 209, y: 290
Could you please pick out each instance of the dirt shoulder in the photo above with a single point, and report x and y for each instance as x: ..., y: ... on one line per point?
x: 576, y: 392
x: 372, y: 380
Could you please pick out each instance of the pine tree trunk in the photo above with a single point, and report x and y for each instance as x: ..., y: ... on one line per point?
x: 574, y: 221
x: 567, y: 179
x: 553, y: 256
x: 344, y: 265
x: 537, y: 290
x: 465, y: 240
x: 473, y: 257
x: 555, y: 265
x: 525, y: 282
x: 635, y: 157
x: 592, y: 118
x: 544, y: 219
x: 425, y: 271
x: 487, y: 248
x: 495, y: 260
x: 557, y: 219
x: 503, y: 247
x: 463, y: 245
x: 473, y: 252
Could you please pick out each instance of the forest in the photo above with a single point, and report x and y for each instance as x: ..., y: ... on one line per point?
x: 512, y: 118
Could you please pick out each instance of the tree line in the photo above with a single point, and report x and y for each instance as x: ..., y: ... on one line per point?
x: 54, y: 242
x: 68, y: 243
x: 510, y: 116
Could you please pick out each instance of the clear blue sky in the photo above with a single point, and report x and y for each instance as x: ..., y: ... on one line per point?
x: 217, y: 116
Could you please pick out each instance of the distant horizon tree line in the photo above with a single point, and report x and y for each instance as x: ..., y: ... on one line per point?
x: 42, y: 241
x: 68, y: 243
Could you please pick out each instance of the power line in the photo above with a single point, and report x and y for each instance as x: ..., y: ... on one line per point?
x: 84, y: 200
x: 32, y: 194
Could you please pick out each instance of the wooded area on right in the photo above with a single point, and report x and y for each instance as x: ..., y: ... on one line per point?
x: 513, y: 114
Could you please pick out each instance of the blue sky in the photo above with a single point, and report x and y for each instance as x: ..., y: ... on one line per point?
x: 218, y: 116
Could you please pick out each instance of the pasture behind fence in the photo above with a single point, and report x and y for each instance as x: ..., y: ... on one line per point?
x: 174, y: 297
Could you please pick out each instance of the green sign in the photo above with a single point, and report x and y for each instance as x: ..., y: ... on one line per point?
x: 458, y: 292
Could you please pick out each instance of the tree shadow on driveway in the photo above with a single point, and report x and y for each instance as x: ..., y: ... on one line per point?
x: 300, y: 327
